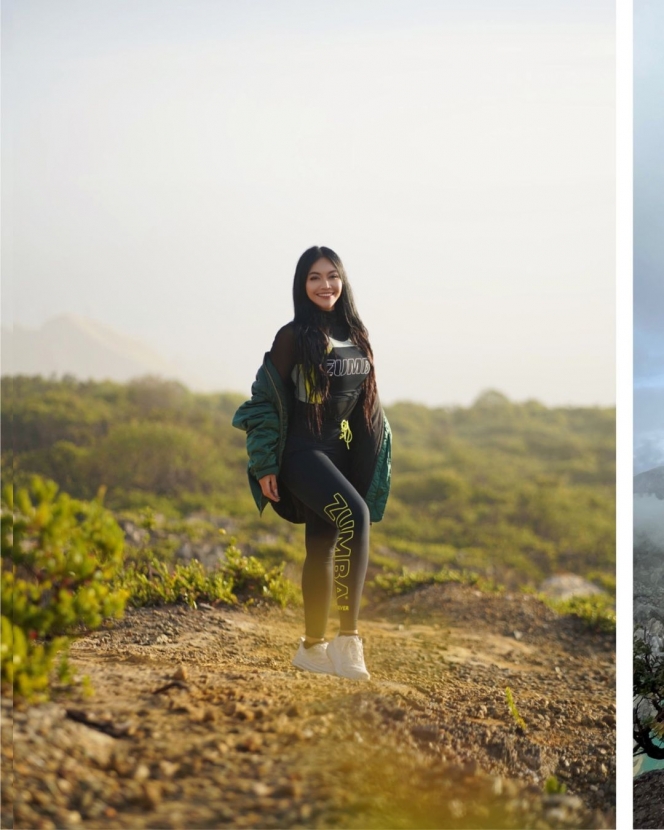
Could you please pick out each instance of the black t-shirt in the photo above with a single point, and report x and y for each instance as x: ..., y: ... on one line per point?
x: 347, y: 367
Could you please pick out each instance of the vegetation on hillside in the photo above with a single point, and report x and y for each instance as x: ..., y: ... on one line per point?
x: 135, y: 493
x: 65, y: 570
x: 512, y: 492
x: 648, y: 721
x: 648, y: 672
x: 60, y: 558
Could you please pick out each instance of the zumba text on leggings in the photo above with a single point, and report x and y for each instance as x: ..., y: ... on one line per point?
x: 342, y: 516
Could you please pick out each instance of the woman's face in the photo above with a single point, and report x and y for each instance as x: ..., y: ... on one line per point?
x: 323, y: 284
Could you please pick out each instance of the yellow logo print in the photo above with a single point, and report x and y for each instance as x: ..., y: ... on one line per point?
x: 342, y: 516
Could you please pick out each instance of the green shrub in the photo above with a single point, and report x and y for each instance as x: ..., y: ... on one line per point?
x: 552, y: 786
x: 59, y: 557
x: 252, y: 580
x: 395, y: 584
x: 597, y: 611
x: 149, y: 581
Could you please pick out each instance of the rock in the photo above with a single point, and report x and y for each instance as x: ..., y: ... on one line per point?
x: 141, y: 772
x: 121, y: 763
x: 291, y: 789
x: 566, y: 586
x: 456, y: 808
x: 252, y: 743
x: 426, y: 732
x: 152, y: 794
x: 168, y: 769
x: 496, y: 785
x: 180, y: 673
x: 96, y: 746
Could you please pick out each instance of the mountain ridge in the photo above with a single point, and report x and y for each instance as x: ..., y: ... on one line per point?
x: 650, y: 483
x: 70, y: 344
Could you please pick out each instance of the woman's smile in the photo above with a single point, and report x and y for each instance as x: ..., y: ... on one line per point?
x: 323, y: 284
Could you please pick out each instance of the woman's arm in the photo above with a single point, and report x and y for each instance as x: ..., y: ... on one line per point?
x: 259, y: 417
x: 283, y: 354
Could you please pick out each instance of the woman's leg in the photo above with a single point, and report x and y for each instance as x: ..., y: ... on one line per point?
x: 314, y: 479
x: 320, y: 539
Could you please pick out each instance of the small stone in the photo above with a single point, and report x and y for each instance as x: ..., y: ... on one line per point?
x: 168, y: 769
x: 556, y: 816
x: 470, y: 768
x: 64, y: 786
x: 425, y: 732
x: 292, y: 789
x: 568, y: 802
x: 252, y: 743
x: 518, y: 635
x: 121, y: 764
x: 456, y: 808
x: 180, y: 673
x: 151, y: 794
x: 97, y: 810
x: 141, y: 772
x: 243, y: 712
x: 496, y: 785
x: 260, y: 789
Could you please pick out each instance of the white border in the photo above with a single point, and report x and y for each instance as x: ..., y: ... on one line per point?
x: 624, y: 401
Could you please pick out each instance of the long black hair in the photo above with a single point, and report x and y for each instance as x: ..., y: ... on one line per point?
x: 312, y: 324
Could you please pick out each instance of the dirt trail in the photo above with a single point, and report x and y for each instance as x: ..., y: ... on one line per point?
x: 199, y: 720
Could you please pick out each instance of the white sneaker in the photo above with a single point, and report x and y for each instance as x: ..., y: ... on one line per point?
x: 347, y: 656
x: 313, y: 659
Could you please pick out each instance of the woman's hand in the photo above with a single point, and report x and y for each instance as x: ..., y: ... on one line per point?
x: 269, y: 487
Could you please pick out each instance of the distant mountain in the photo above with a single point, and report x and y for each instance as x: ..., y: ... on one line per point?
x: 650, y: 483
x: 75, y: 345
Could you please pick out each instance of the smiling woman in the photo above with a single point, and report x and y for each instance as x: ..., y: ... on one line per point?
x: 319, y: 450
x: 323, y: 284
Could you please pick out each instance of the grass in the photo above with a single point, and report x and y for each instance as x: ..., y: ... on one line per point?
x: 597, y: 611
x: 514, y: 712
x: 396, y: 584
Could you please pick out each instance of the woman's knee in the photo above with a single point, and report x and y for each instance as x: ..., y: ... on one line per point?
x: 349, y: 511
x: 364, y: 517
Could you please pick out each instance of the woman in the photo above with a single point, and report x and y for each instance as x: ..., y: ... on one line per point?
x: 319, y: 450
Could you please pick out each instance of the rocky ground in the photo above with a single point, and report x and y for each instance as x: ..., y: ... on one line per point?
x: 199, y: 721
x: 649, y: 800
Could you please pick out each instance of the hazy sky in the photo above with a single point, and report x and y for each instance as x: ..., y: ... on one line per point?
x: 165, y: 162
x: 648, y: 234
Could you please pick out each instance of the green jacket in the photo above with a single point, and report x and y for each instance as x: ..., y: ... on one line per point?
x: 265, y: 420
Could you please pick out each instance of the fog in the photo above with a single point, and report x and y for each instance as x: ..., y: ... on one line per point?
x: 166, y: 163
x: 649, y: 519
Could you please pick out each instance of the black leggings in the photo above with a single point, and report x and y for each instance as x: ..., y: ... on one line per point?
x: 336, y: 535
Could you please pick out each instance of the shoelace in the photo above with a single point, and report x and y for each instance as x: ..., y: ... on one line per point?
x: 353, y: 646
x: 346, y: 435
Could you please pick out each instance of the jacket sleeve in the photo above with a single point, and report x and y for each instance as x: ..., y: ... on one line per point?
x: 259, y: 418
